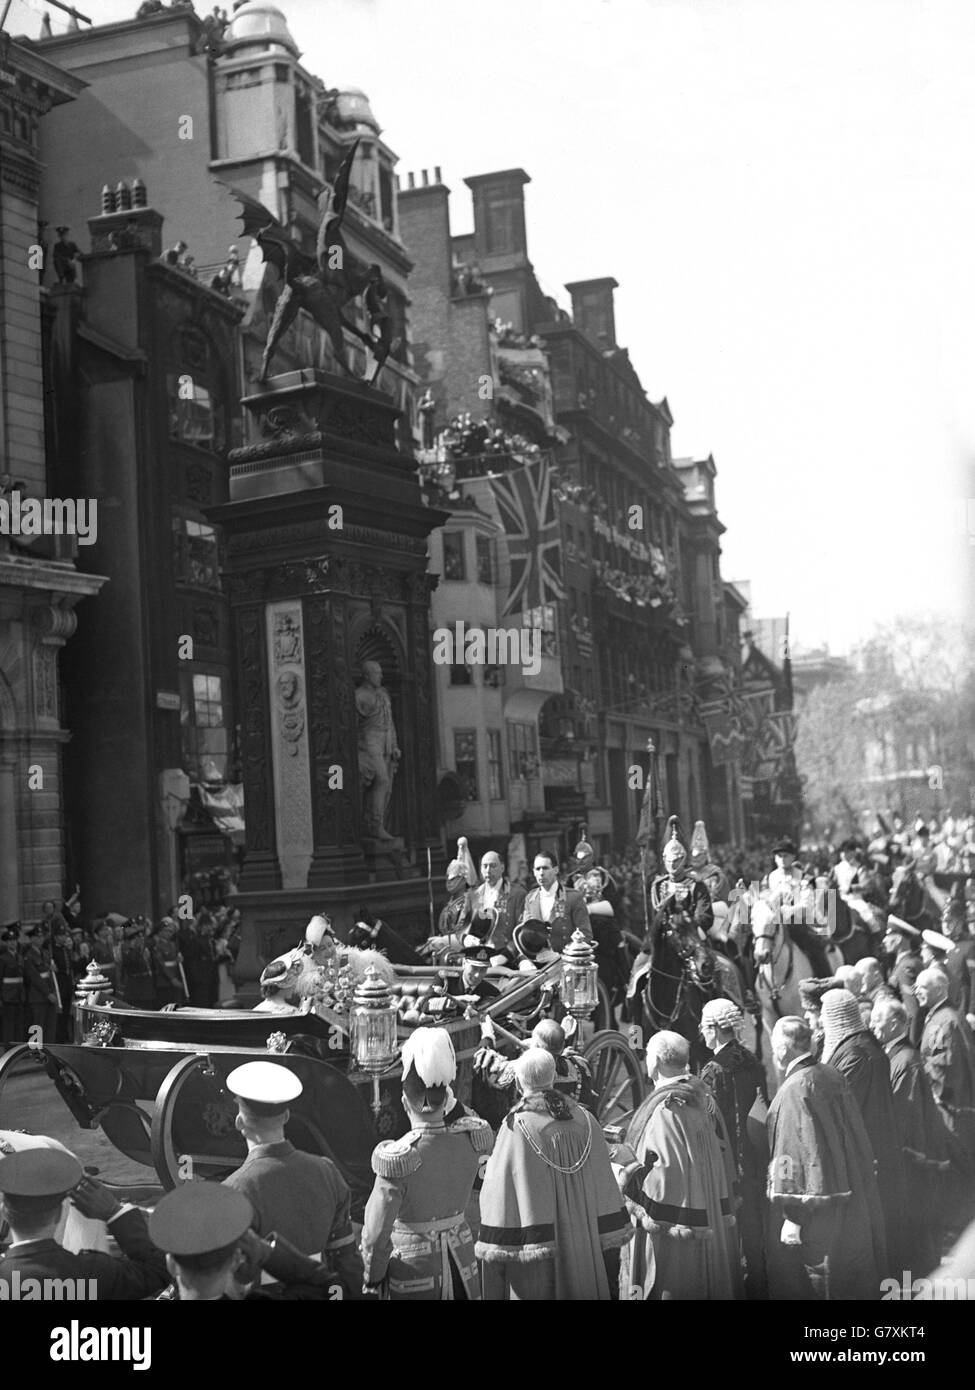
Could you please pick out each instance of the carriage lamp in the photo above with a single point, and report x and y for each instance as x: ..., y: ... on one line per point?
x: 579, y: 974
x: 91, y: 984
x: 374, y: 1018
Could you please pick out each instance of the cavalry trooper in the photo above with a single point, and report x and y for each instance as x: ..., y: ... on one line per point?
x: 416, y: 1242
x: 602, y: 896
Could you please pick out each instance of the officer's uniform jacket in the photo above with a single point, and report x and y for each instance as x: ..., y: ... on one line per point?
x: 415, y: 1232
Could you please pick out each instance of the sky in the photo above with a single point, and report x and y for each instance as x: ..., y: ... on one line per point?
x: 785, y: 193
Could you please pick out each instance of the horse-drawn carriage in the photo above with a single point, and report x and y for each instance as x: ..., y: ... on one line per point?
x: 155, y: 1083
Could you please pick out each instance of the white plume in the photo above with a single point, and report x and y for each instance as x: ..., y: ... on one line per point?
x: 431, y: 1054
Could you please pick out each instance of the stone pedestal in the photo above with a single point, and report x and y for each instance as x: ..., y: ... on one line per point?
x: 326, y: 560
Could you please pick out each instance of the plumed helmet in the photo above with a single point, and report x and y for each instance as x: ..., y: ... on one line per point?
x: 317, y: 930
x: 700, y: 849
x: 674, y: 854
x: 584, y: 849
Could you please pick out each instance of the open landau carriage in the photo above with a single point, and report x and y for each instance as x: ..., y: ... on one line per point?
x: 155, y: 1083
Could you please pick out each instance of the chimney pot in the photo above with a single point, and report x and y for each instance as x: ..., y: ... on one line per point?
x: 412, y: 178
x: 139, y: 196
x: 108, y: 200
x: 437, y: 178
x: 123, y: 195
x: 426, y: 178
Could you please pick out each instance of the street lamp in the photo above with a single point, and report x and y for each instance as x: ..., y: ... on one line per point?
x: 374, y: 1019
x: 580, y: 994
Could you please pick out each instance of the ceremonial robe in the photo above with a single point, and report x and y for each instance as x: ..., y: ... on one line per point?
x: 550, y: 1206
x: 948, y: 1054
x: 415, y: 1236
x: 737, y: 1080
x: 681, y: 1198
x: 925, y: 1144
x: 821, y: 1177
x: 863, y: 1064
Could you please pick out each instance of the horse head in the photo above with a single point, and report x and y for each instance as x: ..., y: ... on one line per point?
x: 766, y: 924
x: 696, y: 958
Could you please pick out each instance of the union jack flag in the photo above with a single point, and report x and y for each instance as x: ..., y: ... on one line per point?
x: 527, y: 507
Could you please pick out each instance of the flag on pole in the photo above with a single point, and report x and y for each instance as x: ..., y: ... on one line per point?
x: 652, y: 810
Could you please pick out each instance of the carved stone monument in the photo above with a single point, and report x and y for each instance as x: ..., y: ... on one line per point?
x: 326, y: 546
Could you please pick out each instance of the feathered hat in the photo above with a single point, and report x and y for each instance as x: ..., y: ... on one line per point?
x: 317, y: 930
x: 429, y: 1067
x: 674, y: 853
x: 463, y: 865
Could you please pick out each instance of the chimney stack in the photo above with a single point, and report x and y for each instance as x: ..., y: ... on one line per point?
x: 593, y: 309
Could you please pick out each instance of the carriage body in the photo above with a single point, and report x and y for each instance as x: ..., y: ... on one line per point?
x: 154, y: 1083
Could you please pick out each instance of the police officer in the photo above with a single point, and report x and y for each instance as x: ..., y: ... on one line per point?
x: 416, y: 1241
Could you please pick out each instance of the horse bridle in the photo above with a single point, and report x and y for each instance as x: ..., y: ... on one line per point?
x: 775, y: 991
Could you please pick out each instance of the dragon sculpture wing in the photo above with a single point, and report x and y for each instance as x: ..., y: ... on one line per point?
x: 279, y: 249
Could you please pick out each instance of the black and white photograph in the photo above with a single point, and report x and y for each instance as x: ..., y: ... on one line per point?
x: 487, y: 668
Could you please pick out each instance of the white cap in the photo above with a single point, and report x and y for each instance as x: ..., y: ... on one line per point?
x: 265, y: 1083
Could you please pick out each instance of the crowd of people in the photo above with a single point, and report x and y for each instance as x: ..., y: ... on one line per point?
x: 174, y: 961
x: 844, y: 1171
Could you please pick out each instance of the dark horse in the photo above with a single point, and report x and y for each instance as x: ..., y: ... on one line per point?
x: 672, y: 979
x: 909, y: 900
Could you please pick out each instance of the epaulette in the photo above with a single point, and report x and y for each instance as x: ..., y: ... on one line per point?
x: 481, y: 1133
x: 395, y: 1158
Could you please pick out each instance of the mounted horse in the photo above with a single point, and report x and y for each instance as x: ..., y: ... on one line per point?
x: 910, y: 900
x: 677, y: 971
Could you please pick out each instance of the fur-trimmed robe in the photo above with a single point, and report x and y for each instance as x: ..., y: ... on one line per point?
x: 681, y: 1198
x: 821, y: 1175
x: 550, y: 1206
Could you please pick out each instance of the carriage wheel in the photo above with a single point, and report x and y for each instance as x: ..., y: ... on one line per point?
x: 603, y: 1013
x: 166, y: 1160
x: 616, y: 1077
x: 9, y: 1060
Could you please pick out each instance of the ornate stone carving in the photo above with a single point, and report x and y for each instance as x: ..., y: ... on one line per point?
x: 286, y: 420
x: 291, y: 712
x: 289, y: 580
x: 300, y: 533
x: 250, y: 646
x: 287, y: 639
x: 45, y: 684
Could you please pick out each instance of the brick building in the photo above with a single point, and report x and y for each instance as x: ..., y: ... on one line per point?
x: 642, y: 621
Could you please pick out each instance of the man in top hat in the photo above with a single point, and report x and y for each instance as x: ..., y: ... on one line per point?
x: 826, y: 1226
x: 302, y: 1197
x: 213, y: 1254
x: 736, y: 1079
x: 34, y: 1187
x: 562, y: 910
x: 495, y: 906
x: 455, y: 916
x: 416, y: 1241
x: 43, y: 1001
x: 784, y: 882
x: 948, y: 1054
x: 11, y: 987
x: 852, y: 1050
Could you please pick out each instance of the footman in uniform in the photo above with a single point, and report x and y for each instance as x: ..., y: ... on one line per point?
x: 416, y: 1241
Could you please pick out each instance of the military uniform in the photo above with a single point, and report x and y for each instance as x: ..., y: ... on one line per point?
x: 415, y: 1236
x: 42, y: 1000
x: 11, y: 994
